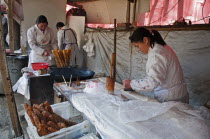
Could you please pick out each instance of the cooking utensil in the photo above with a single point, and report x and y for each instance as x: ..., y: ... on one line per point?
x: 78, y: 81
x: 56, y: 73
x: 128, y: 89
x: 124, y: 97
x: 110, y: 81
x: 64, y: 80
x: 70, y: 81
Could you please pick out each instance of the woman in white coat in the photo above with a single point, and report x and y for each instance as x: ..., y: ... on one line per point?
x: 164, y: 73
x: 41, y: 40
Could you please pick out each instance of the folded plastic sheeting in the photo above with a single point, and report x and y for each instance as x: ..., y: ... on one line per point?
x: 171, y: 121
x: 129, y: 111
x: 89, y: 136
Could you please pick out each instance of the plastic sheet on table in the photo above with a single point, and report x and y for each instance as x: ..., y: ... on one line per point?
x: 173, y: 120
x: 137, y: 110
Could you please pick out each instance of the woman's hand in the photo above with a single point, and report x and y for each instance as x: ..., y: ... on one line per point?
x: 126, y: 84
x: 45, y: 53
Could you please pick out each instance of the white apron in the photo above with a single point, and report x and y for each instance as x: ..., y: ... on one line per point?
x: 67, y: 38
x: 43, y: 41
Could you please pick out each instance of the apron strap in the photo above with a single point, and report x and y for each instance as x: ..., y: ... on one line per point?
x: 65, y: 36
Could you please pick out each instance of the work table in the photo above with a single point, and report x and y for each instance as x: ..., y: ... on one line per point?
x: 103, y: 110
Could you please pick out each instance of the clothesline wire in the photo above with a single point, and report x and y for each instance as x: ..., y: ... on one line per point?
x: 182, y: 17
x: 200, y: 19
x: 165, y: 13
x: 192, y: 22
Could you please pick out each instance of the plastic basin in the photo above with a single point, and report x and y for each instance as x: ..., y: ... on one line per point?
x: 37, y: 66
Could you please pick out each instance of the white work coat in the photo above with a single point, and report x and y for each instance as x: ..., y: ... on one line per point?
x: 164, y: 76
x: 40, y: 41
x: 68, y: 37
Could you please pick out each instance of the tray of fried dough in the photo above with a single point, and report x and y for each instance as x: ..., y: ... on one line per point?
x: 53, y: 121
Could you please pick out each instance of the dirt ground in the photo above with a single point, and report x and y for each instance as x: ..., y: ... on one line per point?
x: 6, y: 131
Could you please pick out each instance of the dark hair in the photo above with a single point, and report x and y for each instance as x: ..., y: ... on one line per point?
x: 41, y: 19
x: 141, y: 32
x: 59, y: 24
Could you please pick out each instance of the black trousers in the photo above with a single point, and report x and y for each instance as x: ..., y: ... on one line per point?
x: 5, y: 42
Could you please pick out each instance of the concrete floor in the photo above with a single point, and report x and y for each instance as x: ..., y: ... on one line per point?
x: 5, y: 122
x: 6, y: 131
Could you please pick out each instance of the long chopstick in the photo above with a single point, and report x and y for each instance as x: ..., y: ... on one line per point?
x: 70, y: 81
x: 64, y: 80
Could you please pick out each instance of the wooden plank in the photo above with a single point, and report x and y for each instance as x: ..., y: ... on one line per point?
x: 179, y: 28
x: 11, y: 25
x: 162, y: 28
x: 134, y: 11
x: 128, y: 12
x: 16, y: 29
x: 7, y: 87
x: 115, y: 48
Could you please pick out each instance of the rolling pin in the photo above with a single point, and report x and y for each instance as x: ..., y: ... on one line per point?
x: 112, y: 65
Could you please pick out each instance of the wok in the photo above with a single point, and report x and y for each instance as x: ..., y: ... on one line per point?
x: 82, y: 74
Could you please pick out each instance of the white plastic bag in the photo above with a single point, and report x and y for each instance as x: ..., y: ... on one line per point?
x: 21, y: 86
x: 89, y: 48
x: 95, y: 88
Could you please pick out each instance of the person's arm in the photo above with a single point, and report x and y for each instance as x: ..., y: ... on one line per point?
x: 52, y: 40
x: 31, y: 35
x: 145, y: 85
x: 60, y: 39
x: 156, y: 74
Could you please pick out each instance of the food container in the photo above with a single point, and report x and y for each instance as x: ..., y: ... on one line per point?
x: 72, y: 132
x: 37, y: 66
x: 66, y: 111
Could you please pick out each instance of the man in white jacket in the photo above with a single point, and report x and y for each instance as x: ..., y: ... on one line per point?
x: 67, y: 39
x: 164, y: 73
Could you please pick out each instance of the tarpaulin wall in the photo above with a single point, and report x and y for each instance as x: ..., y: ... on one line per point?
x: 148, y: 12
x: 105, y: 11
x: 191, y: 47
x: 54, y: 10
x: 165, y: 12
